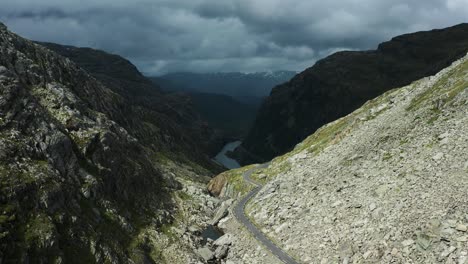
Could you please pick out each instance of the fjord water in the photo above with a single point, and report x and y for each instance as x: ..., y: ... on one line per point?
x: 225, y: 160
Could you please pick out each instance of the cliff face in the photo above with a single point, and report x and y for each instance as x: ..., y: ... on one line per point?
x: 168, y: 123
x: 87, y: 167
x: 341, y: 83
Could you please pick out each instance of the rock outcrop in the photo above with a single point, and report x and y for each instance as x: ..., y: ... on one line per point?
x: 342, y: 82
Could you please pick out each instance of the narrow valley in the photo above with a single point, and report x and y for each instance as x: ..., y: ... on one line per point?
x: 234, y: 132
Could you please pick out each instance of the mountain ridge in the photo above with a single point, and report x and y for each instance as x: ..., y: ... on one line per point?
x: 340, y: 83
x: 170, y: 118
x: 235, y: 84
x: 383, y: 184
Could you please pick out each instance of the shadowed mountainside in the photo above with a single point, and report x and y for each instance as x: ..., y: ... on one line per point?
x: 91, y: 158
x: 341, y: 83
x: 168, y: 123
x: 228, y: 101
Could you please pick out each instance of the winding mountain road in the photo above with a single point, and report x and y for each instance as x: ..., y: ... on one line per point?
x: 239, y: 212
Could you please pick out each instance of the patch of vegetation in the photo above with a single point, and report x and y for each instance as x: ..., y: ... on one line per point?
x: 403, y: 141
x: 236, y: 180
x: 38, y: 228
x: 166, y: 229
x: 326, y: 135
x: 435, y: 112
x: 174, y: 160
x: 142, y: 249
x: 271, y: 172
x: 386, y: 156
x: 447, y: 87
x: 160, y: 157
x: 184, y: 196
x: 430, y: 145
x: 346, y: 163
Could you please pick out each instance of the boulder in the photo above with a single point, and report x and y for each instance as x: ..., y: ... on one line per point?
x: 221, y: 252
x: 206, y: 253
x: 222, y: 211
x: 224, y: 240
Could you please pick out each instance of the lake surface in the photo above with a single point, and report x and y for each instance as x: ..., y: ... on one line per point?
x: 225, y: 160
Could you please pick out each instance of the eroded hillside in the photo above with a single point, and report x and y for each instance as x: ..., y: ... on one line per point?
x: 384, y: 184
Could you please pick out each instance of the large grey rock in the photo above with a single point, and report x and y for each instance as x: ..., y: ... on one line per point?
x: 206, y: 253
x: 222, y: 211
x: 221, y: 252
x: 224, y: 240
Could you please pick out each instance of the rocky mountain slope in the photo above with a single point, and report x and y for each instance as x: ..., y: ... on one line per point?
x: 384, y: 184
x: 342, y: 82
x: 86, y: 173
x: 169, y: 123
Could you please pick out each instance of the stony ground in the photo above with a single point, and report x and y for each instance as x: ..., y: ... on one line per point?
x: 244, y: 248
x: 180, y: 240
x: 385, y: 184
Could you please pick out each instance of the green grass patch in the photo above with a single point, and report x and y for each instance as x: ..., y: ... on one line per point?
x: 184, y: 196
x: 386, y: 156
x: 39, y: 227
x: 235, y: 179
x: 445, y: 89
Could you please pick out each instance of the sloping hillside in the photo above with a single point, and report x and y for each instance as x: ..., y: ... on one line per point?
x: 384, y: 184
x: 168, y: 123
x: 78, y: 184
x: 342, y: 82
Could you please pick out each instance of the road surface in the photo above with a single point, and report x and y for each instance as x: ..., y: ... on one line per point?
x: 239, y: 212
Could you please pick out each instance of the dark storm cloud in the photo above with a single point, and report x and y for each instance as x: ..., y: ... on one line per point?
x: 229, y: 35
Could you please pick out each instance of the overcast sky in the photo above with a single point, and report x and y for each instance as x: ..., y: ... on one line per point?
x: 226, y: 35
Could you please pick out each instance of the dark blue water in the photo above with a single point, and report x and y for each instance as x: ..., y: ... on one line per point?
x: 225, y: 160
x: 212, y: 233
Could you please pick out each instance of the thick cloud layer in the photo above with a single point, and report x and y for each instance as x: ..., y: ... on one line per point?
x: 229, y: 35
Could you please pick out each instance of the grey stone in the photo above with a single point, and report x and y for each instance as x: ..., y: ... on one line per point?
x: 206, y: 253
x: 224, y: 240
x: 222, y: 211
x: 221, y: 252
x: 461, y: 227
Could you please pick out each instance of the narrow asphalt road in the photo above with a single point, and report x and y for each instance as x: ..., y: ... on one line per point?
x: 239, y: 212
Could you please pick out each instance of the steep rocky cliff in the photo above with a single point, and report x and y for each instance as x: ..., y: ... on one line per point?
x: 384, y: 184
x: 168, y: 123
x: 86, y: 173
x: 341, y: 83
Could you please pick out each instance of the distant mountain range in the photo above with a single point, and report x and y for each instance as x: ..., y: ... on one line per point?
x: 235, y: 84
x: 228, y: 101
x: 231, y: 116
